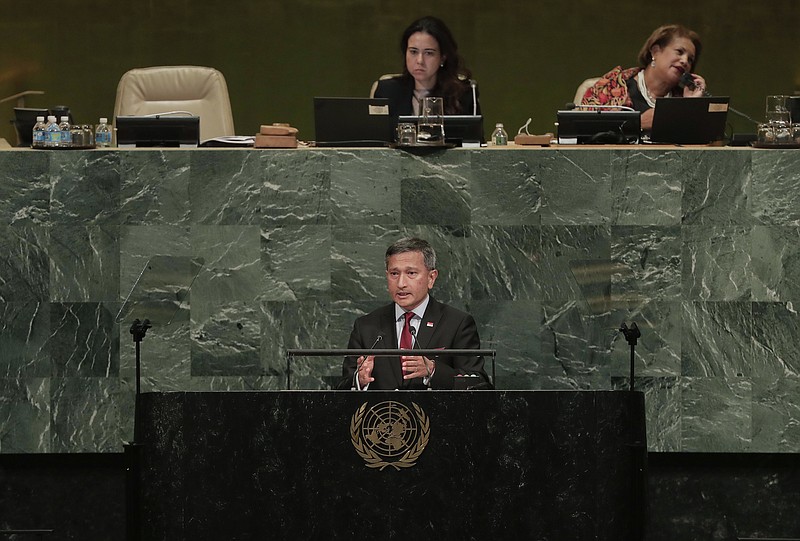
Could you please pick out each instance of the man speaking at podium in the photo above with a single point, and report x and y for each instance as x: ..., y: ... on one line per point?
x: 415, y: 320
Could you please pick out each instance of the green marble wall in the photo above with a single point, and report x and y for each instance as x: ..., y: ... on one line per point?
x: 549, y: 249
x: 528, y: 56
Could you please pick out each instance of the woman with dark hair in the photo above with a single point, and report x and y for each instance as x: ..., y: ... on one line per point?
x: 669, y: 53
x: 432, y: 67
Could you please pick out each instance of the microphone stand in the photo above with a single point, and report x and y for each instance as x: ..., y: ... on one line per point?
x: 132, y: 449
x: 638, y: 448
x: 631, y: 335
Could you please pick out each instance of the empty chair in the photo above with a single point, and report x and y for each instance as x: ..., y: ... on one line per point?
x: 199, y: 90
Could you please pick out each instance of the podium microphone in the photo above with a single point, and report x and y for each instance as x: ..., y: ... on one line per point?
x: 375, y: 343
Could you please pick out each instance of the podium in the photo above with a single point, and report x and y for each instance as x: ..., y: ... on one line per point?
x: 545, y: 465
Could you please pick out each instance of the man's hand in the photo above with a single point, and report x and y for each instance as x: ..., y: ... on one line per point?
x: 365, y: 365
x: 417, y: 367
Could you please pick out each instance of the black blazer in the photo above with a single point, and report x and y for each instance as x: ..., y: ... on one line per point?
x: 450, y: 329
x: 400, y: 90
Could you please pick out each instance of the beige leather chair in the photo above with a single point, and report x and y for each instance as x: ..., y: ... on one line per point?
x: 199, y: 90
x: 584, y: 86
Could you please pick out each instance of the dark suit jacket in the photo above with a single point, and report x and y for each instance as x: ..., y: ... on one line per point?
x: 399, y: 90
x: 451, y: 329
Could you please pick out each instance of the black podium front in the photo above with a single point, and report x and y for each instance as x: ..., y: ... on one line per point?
x: 544, y: 465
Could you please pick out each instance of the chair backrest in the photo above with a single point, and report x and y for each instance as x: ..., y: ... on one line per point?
x: 382, y: 78
x: 199, y: 90
x: 582, y: 88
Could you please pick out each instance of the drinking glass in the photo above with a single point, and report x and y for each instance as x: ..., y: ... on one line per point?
x: 430, y: 130
x: 778, y: 111
x: 406, y: 134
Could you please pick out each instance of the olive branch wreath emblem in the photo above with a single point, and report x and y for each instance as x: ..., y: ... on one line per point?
x: 372, y: 459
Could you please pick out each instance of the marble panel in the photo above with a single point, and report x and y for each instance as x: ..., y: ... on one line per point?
x: 165, y: 351
x: 154, y: 187
x: 575, y: 265
x: 716, y: 263
x: 646, y: 187
x: 776, y: 263
x: 576, y: 344
x: 297, y: 187
x: 645, y: 264
x: 576, y: 187
x: 505, y: 189
x: 716, y: 341
x: 226, y: 340
x: 776, y: 187
x: 716, y: 414
x: 225, y: 187
x: 25, y: 267
x: 298, y: 325
x: 663, y: 410
x: 84, y: 340
x: 296, y: 262
x: 436, y: 189
x: 84, y: 263
x: 25, y: 419
x: 365, y: 187
x: 24, y: 188
x: 138, y: 244
x: 716, y: 188
x: 85, y: 414
x: 776, y: 414
x: 231, y: 269
x: 513, y: 329
x: 658, y: 350
x: 775, y: 338
x: 506, y: 262
x: 85, y: 188
x: 24, y: 339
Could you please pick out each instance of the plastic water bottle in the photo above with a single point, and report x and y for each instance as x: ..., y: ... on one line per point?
x: 39, y: 133
x: 52, y: 134
x: 499, y: 136
x: 66, y: 132
x: 102, y: 133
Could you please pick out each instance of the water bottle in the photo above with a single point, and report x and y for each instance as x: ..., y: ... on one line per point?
x: 499, y: 136
x: 102, y: 133
x: 52, y: 133
x: 66, y: 133
x: 39, y: 133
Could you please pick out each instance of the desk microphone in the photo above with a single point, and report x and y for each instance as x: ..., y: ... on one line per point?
x: 688, y: 81
x: 474, y: 84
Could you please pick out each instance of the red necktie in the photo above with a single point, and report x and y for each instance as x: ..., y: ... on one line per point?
x: 406, y: 340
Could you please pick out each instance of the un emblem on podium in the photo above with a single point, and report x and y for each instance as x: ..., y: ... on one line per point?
x: 389, y: 434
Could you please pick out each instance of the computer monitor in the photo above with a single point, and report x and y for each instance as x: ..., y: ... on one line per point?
x: 459, y: 130
x: 349, y: 122
x: 598, y: 127
x: 158, y: 131
x: 689, y: 121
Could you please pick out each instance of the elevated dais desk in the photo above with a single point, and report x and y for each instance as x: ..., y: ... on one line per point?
x: 546, y: 465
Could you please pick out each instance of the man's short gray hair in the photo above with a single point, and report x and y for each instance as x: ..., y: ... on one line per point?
x: 413, y: 244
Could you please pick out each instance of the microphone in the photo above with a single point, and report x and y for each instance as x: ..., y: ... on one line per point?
x: 413, y: 332
x: 688, y: 82
x: 375, y: 343
x: 474, y: 85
